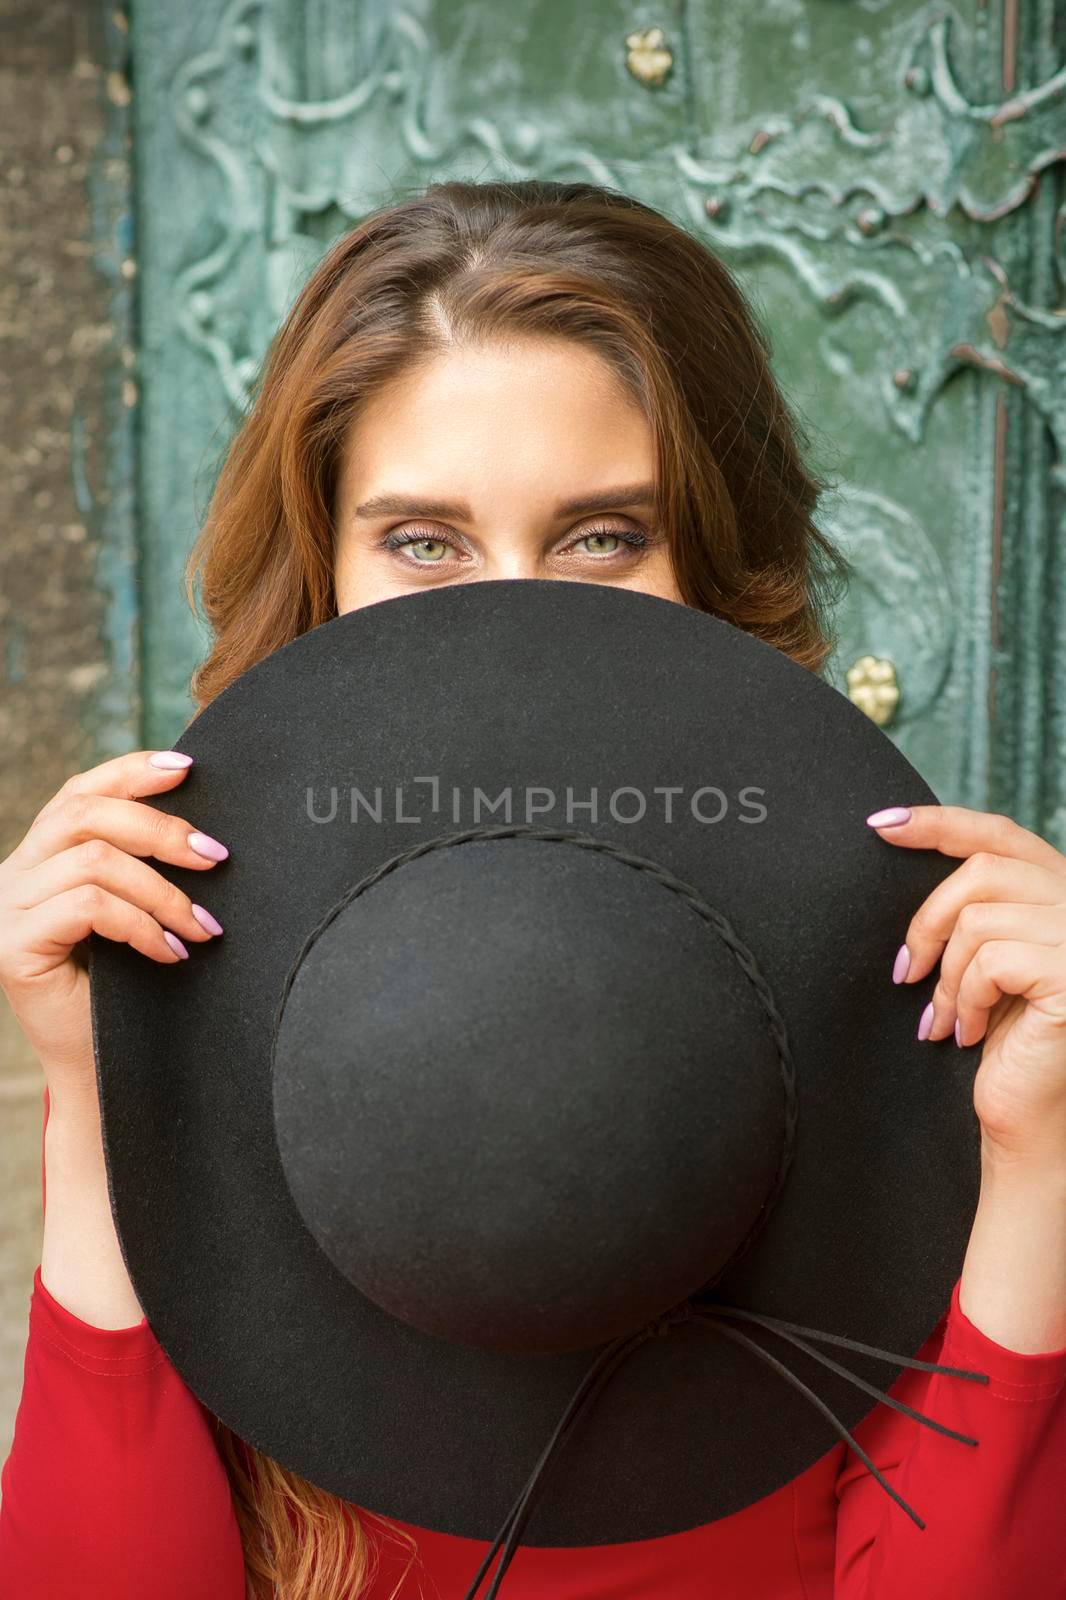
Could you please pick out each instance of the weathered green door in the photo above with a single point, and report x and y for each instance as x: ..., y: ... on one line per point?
x: 882, y: 177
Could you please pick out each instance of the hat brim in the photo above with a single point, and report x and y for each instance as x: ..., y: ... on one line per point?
x: 537, y: 684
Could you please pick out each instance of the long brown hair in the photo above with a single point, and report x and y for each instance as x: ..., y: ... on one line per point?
x: 464, y: 262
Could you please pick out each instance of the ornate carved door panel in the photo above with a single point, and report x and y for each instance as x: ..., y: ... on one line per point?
x: 885, y: 178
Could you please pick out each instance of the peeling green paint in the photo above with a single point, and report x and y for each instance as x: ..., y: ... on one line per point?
x: 111, y: 510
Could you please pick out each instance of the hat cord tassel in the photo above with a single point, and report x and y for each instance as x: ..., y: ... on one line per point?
x: 613, y: 1356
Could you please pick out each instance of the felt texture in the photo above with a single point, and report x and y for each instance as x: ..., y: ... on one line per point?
x: 312, y: 1318
x: 478, y: 1077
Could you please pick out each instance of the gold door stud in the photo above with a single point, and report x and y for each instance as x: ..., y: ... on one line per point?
x: 647, y: 57
x: 874, y: 688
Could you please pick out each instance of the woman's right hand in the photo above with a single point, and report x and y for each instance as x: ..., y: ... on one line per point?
x: 78, y: 870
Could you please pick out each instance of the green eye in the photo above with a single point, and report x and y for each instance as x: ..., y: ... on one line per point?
x: 606, y: 544
x: 597, y: 541
x: 431, y: 545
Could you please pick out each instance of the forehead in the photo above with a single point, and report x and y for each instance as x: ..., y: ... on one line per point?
x: 525, y: 410
x: 536, y: 361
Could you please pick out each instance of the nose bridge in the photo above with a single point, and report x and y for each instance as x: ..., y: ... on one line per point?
x: 514, y: 564
x: 512, y: 553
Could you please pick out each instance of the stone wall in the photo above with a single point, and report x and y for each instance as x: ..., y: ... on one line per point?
x: 57, y: 360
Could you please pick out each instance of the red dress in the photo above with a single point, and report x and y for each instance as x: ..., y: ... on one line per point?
x: 114, y: 1490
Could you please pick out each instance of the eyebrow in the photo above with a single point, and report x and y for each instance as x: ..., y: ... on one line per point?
x: 390, y: 505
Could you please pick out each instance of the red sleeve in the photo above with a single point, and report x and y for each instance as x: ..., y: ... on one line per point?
x: 113, y: 1488
x: 993, y: 1512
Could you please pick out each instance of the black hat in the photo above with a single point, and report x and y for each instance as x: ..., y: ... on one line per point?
x: 547, y: 1100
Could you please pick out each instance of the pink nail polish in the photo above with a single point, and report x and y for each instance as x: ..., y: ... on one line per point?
x: 204, y: 845
x: 890, y: 818
x: 175, y: 944
x: 925, y: 1026
x: 958, y: 1032
x: 171, y: 759
x: 903, y: 964
x: 206, y: 920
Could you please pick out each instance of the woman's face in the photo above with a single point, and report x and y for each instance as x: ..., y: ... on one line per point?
x: 518, y: 460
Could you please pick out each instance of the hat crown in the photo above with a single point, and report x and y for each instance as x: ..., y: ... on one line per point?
x: 525, y: 1096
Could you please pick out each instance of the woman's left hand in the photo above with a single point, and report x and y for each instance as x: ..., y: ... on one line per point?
x: 997, y: 924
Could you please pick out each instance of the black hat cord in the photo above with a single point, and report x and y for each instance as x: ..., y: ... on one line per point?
x: 613, y: 1356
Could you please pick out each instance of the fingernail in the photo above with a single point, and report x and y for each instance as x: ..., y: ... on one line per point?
x: 903, y: 964
x: 890, y: 818
x: 206, y: 920
x: 204, y: 845
x: 170, y: 759
x: 925, y: 1026
x: 958, y: 1032
x: 175, y: 944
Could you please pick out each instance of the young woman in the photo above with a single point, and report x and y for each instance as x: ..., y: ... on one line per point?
x: 502, y: 381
